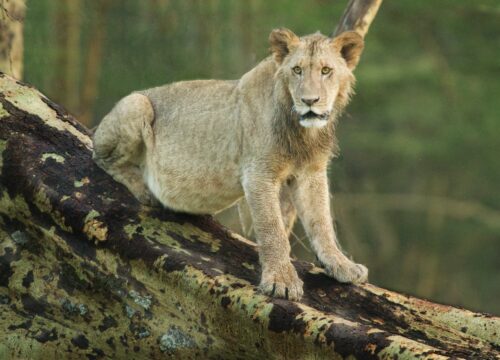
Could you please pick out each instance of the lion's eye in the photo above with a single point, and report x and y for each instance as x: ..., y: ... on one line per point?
x: 297, y: 70
x: 326, y: 70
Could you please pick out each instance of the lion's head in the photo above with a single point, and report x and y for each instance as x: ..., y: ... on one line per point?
x: 317, y: 71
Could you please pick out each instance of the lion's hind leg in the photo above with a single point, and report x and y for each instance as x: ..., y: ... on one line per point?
x: 119, y: 143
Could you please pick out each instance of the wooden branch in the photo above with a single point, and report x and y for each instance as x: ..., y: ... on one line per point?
x: 85, y: 270
x: 358, y: 16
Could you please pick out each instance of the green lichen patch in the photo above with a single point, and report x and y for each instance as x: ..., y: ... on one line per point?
x: 56, y: 157
x: 155, y: 230
x: 31, y: 101
x: 195, y: 235
x: 14, y: 208
x: 176, y: 339
x: 3, y: 146
x: 142, y: 300
x: 241, y: 297
x: 92, y: 214
x: 108, y: 262
x: 442, y: 322
x: 129, y: 311
x: 95, y: 229
x: 20, y: 237
x: 73, y: 309
x: 248, y: 266
x: 406, y: 349
x: 3, y: 112
x: 79, y: 183
x: 42, y: 202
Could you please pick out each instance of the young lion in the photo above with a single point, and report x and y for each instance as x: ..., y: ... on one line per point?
x: 200, y: 146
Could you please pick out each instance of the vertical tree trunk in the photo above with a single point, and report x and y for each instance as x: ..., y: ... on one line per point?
x: 73, y: 86
x: 73, y: 52
x: 12, y: 14
x: 358, y: 16
x: 93, y: 62
x: 66, y: 27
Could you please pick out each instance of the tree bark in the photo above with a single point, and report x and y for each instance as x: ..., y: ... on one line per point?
x: 11, y: 37
x: 358, y: 16
x: 85, y: 270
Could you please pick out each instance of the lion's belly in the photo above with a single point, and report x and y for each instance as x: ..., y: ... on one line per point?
x: 194, y: 163
x: 200, y: 191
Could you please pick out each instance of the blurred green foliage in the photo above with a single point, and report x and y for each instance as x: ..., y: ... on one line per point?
x: 418, y: 181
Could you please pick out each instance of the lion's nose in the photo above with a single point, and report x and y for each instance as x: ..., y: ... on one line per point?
x: 310, y: 100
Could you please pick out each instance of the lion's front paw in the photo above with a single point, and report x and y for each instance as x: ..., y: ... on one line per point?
x: 346, y: 271
x: 281, y: 281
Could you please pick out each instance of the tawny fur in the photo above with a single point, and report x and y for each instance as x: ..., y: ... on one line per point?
x: 200, y: 146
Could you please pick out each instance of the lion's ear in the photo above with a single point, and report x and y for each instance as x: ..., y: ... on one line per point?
x: 282, y: 41
x: 350, y: 45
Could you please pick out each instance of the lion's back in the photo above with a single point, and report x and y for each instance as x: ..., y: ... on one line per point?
x: 191, y: 98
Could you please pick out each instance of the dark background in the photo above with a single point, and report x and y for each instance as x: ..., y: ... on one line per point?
x: 417, y: 186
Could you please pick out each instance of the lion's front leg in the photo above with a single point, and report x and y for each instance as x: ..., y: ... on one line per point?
x: 312, y: 200
x: 279, y: 277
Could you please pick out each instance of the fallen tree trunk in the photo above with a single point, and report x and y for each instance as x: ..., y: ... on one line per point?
x: 85, y: 270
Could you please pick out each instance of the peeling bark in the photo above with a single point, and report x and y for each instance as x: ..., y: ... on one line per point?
x: 86, y: 271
